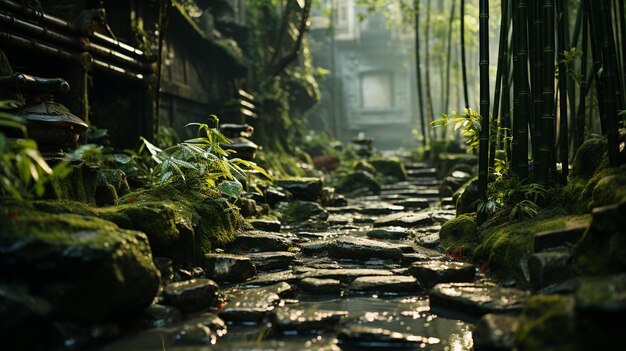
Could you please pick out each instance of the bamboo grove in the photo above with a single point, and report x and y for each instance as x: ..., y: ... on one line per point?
x: 554, y: 83
x: 550, y: 95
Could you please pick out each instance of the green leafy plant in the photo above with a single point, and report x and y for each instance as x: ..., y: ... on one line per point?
x: 467, y: 123
x: 23, y: 171
x: 203, y: 157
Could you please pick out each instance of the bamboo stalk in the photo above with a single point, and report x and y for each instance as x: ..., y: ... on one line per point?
x: 24, y: 27
x: 502, y: 46
x: 418, y: 72
x: 82, y: 59
x: 546, y: 151
x: 610, y: 82
x: 596, y: 50
x: 483, y: 155
x: 521, y: 91
x: 463, y: 61
x: 563, y: 126
x: 579, y: 136
x: 537, y: 83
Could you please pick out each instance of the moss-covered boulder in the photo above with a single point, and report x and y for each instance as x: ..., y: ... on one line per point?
x: 459, y: 235
x: 547, y: 323
x: 363, y: 165
x: 111, y: 184
x: 190, y: 219
x: 592, y: 182
x: 390, y: 167
x: 602, y: 250
x: 359, y: 182
x: 466, y: 197
x: 156, y: 219
x: 87, y: 269
x: 506, y: 247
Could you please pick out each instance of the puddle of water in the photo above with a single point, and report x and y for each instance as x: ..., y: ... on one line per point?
x: 404, y: 314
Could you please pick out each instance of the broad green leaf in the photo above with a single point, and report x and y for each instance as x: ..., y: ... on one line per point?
x: 231, y: 188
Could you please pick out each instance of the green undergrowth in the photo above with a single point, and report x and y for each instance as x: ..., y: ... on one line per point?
x: 506, y: 246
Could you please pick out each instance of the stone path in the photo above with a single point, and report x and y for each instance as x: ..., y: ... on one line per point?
x: 364, y: 275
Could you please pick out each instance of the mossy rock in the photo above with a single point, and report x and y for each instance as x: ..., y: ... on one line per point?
x: 106, y: 195
x: 360, y: 182
x: 459, y: 235
x: 547, y: 323
x: 156, y: 219
x: 300, y: 211
x: 602, y: 248
x: 507, y: 246
x: 589, y: 158
x: 203, y: 219
x: 88, y: 269
x: 390, y: 167
x: 363, y: 165
x: 79, y: 185
x: 466, y: 197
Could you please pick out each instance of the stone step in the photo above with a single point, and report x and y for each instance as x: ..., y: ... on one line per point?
x: 560, y: 237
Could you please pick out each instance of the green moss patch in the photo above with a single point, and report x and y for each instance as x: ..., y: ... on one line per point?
x: 547, y: 323
x: 459, y: 235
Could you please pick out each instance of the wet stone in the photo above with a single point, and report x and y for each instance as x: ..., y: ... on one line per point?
x: 549, y: 268
x: 165, y: 267
x: 380, y: 209
x: 273, y: 278
x: 422, y: 173
x: 428, y: 240
x: 363, y: 249
x: 228, y: 268
x: 385, y: 284
x: 361, y: 336
x: 409, y: 258
x: 494, y: 332
x: 252, y: 305
x: 259, y: 241
x: 344, y: 274
x: 413, y: 203
x: 430, y: 273
x: 320, y: 286
x: 478, y: 298
x: 191, y: 295
x: 389, y: 233
x: 267, y: 225
x: 363, y: 219
x: 267, y: 261
x: 314, y: 248
x: 305, y: 320
x: 307, y: 189
x: 160, y: 315
x: 603, y: 296
x: 404, y: 219
x: 195, y: 334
